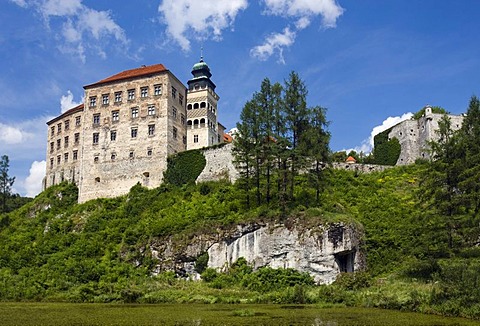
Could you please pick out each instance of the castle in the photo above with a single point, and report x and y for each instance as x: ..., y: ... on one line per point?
x: 414, y: 135
x: 129, y: 124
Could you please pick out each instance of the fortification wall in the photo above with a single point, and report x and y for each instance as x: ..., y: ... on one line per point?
x: 219, y: 165
x: 414, y: 135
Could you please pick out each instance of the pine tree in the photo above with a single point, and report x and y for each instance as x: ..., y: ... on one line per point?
x: 296, y: 114
x: 6, y: 182
x: 470, y: 143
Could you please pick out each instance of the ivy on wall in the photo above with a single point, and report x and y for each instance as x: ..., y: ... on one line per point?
x: 184, y: 167
x: 385, y: 151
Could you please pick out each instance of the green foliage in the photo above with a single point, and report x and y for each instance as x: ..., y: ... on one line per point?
x: 184, y: 167
x: 6, y: 183
x: 201, y: 263
x: 435, y: 109
x: 386, y: 151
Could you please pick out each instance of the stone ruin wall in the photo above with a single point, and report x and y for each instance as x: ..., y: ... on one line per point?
x: 414, y: 135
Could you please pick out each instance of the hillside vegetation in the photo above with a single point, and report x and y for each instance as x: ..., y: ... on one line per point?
x: 55, y: 249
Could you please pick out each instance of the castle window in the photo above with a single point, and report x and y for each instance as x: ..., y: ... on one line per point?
x: 77, y: 121
x: 52, y: 129
x: 93, y: 101
x: 131, y: 94
x: 157, y: 90
x: 58, y: 159
x: 151, y: 130
x: 59, y: 128
x: 134, y: 113
x: 182, y: 119
x: 134, y: 132
x: 65, y: 141
x: 189, y: 107
x: 118, y: 97
x: 75, y: 155
x: 146, y: 174
x: 149, y: 152
x: 203, y: 105
x: 51, y: 163
x: 113, y: 135
x: 189, y: 123
x: 195, y: 138
x: 174, y: 133
x: 195, y: 106
x: 174, y: 92
x: 151, y: 110
x: 174, y: 112
x: 96, y: 137
x: 131, y: 155
x: 144, y: 91
x: 65, y: 157
x: 115, y: 116
x: 180, y: 99
x: 95, y: 159
x: 202, y: 121
x: 51, y: 147
x: 58, y: 143
x: 105, y: 99
x: 113, y: 156
x: 96, y: 119
x: 97, y: 179
x: 67, y: 124
x: 77, y: 138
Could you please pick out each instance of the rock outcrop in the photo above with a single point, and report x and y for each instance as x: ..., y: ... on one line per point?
x: 323, y: 251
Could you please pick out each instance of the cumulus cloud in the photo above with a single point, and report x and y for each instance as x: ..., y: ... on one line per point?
x: 200, y: 19
x: 300, y: 13
x: 274, y: 42
x: 33, y: 183
x: 11, y: 135
x: 367, y: 144
x: 81, y: 27
x: 67, y: 102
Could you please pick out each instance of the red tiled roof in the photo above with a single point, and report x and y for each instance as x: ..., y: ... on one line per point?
x: 71, y: 111
x: 137, y: 72
x: 227, y: 138
x: 350, y: 159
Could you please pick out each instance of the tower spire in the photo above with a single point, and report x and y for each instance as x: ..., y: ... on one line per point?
x: 201, y: 53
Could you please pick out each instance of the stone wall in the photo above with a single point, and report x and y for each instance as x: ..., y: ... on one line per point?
x: 414, y: 135
x: 219, y: 165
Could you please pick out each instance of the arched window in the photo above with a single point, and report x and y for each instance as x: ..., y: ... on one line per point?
x: 195, y: 122
x: 189, y: 123
x: 203, y: 105
x: 195, y: 106
x: 202, y: 121
x: 189, y: 107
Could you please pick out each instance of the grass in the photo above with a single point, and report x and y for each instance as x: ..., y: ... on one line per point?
x: 194, y: 314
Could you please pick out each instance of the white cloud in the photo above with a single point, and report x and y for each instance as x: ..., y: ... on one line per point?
x: 82, y: 28
x: 201, y: 19
x: 20, y: 3
x: 11, y: 135
x: 329, y: 10
x: 367, y: 144
x: 300, y: 13
x: 33, y: 183
x: 274, y: 42
x: 67, y: 102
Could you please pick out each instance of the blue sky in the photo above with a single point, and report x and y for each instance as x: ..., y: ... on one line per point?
x: 368, y: 62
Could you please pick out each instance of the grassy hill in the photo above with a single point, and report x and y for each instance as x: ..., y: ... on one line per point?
x: 54, y: 249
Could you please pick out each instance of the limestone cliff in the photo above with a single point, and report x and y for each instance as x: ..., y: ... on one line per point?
x: 323, y: 251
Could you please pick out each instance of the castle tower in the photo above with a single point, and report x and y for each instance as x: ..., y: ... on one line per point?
x: 202, y: 124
